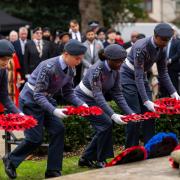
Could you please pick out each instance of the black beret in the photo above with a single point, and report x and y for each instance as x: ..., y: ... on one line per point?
x: 46, y: 29
x: 115, y: 52
x: 164, y: 30
x: 6, y: 48
x: 63, y: 34
x: 37, y: 29
x: 93, y: 23
x: 74, y: 47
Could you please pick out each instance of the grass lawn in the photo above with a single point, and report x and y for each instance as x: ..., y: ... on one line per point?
x: 35, y: 169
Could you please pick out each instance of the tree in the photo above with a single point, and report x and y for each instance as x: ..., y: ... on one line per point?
x: 90, y: 10
x: 122, y: 11
x: 56, y: 14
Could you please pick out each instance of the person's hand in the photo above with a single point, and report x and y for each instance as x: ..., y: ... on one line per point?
x: 59, y: 112
x: 169, y: 61
x: 21, y: 113
x: 85, y: 105
x: 150, y: 105
x: 27, y: 76
x: 175, y: 95
x: 117, y: 119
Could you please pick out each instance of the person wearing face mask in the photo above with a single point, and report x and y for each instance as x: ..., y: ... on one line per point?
x: 143, y: 54
x: 103, y: 77
x: 6, y: 53
x: 36, y: 99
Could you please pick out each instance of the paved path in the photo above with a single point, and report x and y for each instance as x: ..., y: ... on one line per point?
x: 153, y: 169
x: 2, y: 146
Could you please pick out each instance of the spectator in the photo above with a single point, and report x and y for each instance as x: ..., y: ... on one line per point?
x: 91, y: 55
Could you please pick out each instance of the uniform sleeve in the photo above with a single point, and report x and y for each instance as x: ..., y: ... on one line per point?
x: 163, y: 77
x: 4, y: 97
x: 139, y: 57
x: 69, y: 94
x: 96, y: 87
x: 41, y: 87
x: 117, y: 95
x: 85, y: 63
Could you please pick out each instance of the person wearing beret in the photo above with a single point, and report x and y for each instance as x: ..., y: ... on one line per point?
x: 101, y: 78
x: 6, y: 53
x: 143, y: 54
x: 36, y: 99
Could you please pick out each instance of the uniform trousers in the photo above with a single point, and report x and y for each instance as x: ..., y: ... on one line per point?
x: 134, y: 101
x: 34, y: 136
x: 101, y: 146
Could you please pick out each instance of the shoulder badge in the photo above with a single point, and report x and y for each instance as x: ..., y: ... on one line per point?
x: 96, y: 74
x: 49, y: 65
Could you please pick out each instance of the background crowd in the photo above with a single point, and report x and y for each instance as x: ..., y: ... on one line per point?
x: 40, y: 44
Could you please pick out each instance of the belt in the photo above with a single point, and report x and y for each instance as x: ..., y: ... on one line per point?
x: 129, y: 64
x: 85, y: 89
x: 30, y: 86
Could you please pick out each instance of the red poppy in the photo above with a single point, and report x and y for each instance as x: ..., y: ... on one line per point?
x: 10, y: 122
x: 83, y: 111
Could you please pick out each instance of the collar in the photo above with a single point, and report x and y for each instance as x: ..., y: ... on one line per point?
x: 62, y: 62
x: 107, y: 66
x: 36, y: 41
x: 153, y: 43
x: 91, y: 42
x: 23, y: 41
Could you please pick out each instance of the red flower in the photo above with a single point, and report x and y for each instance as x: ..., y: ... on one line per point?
x: 131, y: 154
x: 83, y: 111
x: 168, y: 106
x: 140, y: 117
x: 10, y: 122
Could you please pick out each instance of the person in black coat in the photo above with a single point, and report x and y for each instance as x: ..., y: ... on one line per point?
x: 36, y: 50
x: 19, y: 46
x: 174, y: 61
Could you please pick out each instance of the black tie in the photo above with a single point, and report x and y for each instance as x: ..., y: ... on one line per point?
x: 76, y: 37
x: 65, y: 70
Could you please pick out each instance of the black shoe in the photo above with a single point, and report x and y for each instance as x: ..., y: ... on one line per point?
x: 100, y: 164
x: 51, y: 173
x: 9, y: 168
x: 85, y: 162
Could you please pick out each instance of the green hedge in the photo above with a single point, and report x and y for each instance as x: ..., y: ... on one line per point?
x: 79, y: 130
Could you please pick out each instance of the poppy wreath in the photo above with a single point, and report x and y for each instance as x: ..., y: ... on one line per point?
x: 11, y: 122
x: 168, y: 106
x: 162, y: 144
x: 175, y: 157
x: 83, y: 111
x: 132, y: 154
x: 140, y: 117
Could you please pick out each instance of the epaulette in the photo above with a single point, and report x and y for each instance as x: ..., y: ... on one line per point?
x: 49, y: 65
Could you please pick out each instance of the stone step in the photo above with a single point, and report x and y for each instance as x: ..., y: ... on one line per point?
x: 152, y: 169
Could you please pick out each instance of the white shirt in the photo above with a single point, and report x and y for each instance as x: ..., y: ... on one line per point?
x: 91, y: 45
x: 76, y: 35
x: 168, y: 48
x: 22, y: 43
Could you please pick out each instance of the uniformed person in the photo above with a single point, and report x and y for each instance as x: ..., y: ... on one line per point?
x: 6, y: 52
x: 36, y: 99
x: 101, y: 78
x: 143, y: 55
